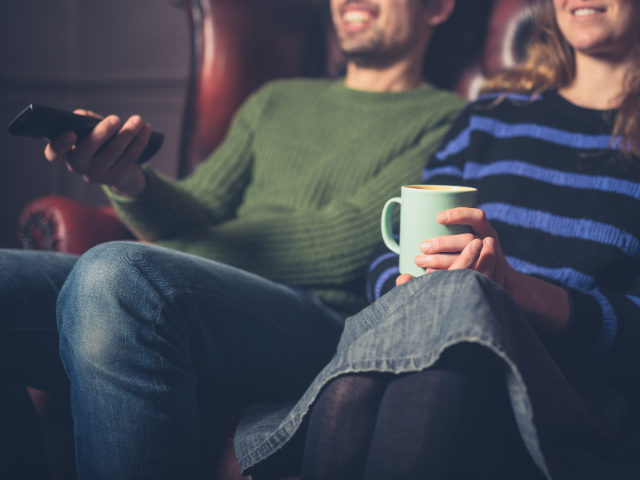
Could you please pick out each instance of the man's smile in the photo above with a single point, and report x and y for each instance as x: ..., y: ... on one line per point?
x: 358, y: 16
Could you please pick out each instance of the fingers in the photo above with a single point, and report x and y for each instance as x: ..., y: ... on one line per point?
x: 483, y: 256
x: 109, y: 152
x: 137, y: 145
x: 404, y: 278
x: 450, y: 243
x: 501, y: 265
x: 468, y: 257
x: 499, y: 274
x: 122, y: 140
x: 122, y: 151
x: 88, y: 113
x: 474, y: 217
x: 487, y: 259
x: 119, y: 173
x: 80, y: 159
x: 437, y: 262
x: 60, y: 147
x: 443, y: 251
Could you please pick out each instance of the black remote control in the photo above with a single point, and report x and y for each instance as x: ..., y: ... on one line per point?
x: 37, y: 121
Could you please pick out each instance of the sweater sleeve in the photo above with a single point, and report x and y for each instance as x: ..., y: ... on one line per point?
x: 605, y: 329
x: 210, y: 195
x: 329, y: 246
x: 383, y: 266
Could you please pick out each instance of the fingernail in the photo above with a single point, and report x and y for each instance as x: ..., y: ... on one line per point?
x: 490, y: 241
x: 425, y: 247
x: 476, y: 245
x: 114, y: 120
x: 443, y: 216
x: 421, y: 261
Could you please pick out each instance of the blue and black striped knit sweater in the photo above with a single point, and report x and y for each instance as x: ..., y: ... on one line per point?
x: 566, y: 208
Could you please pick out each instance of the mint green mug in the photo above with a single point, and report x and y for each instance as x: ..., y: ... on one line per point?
x: 421, y: 204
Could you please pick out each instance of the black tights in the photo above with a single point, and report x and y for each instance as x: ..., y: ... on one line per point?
x: 451, y: 421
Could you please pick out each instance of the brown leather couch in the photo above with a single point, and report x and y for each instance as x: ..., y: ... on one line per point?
x: 255, y: 41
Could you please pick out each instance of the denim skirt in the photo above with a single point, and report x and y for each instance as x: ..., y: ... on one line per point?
x: 562, y: 411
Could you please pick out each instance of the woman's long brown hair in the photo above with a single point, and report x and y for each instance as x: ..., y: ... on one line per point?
x: 550, y: 64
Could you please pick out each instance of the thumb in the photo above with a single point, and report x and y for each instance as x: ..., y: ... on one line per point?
x: 404, y: 278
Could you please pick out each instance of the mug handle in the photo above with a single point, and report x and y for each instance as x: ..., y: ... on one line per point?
x: 385, y: 224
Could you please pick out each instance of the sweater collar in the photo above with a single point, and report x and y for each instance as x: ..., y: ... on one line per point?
x: 364, y: 97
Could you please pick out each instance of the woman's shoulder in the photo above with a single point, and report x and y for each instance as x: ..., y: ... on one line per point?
x: 499, y: 107
x: 505, y: 104
x: 548, y: 110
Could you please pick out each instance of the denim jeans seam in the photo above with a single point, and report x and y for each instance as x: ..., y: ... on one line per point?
x: 162, y: 381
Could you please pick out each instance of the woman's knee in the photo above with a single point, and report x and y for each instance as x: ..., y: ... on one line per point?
x: 464, y: 293
x: 455, y: 282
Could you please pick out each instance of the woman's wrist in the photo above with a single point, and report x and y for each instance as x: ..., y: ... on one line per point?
x: 547, y: 306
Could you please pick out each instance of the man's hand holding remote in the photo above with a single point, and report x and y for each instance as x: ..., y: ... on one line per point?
x: 99, y: 158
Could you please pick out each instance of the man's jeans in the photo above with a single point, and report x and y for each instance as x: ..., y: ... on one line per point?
x: 147, y: 337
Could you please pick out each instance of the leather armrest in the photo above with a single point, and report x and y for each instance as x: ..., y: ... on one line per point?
x: 65, y: 225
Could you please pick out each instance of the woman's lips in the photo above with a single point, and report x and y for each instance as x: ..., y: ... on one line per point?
x: 587, y: 12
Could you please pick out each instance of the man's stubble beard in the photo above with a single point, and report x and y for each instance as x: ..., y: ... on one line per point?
x: 372, y: 52
x: 369, y: 51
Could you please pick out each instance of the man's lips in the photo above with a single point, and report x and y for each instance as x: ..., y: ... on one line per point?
x: 358, y: 16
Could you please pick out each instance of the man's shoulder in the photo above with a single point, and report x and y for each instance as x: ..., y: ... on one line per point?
x: 446, y: 100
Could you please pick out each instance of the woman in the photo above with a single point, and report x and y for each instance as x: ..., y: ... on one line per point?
x: 516, y: 355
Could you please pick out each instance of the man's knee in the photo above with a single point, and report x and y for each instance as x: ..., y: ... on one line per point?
x: 104, y: 270
x: 100, y: 307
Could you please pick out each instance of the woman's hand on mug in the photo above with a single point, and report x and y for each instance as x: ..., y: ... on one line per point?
x: 479, y: 251
x: 476, y: 255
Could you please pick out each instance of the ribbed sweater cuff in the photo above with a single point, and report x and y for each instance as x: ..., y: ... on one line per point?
x: 151, y: 191
x: 159, y: 205
x: 584, y: 329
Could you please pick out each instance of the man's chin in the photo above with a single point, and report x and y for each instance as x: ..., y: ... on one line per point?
x: 368, y: 58
x: 361, y: 55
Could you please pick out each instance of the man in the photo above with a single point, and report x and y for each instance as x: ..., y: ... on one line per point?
x: 265, y: 250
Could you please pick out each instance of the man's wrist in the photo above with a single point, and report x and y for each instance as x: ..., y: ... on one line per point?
x: 132, y: 187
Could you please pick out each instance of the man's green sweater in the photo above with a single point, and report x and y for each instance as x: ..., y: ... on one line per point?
x: 295, y: 192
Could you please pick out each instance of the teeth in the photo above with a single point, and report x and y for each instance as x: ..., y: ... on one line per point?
x: 585, y: 11
x: 356, y: 17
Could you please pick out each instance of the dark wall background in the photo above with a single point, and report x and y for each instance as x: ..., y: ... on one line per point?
x: 116, y: 56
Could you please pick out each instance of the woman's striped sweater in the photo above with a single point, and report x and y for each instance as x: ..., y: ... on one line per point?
x: 566, y: 207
